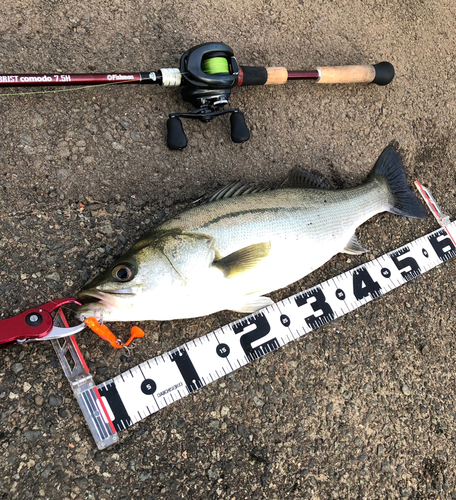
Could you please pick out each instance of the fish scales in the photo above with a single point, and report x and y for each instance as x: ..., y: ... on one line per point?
x: 284, y: 214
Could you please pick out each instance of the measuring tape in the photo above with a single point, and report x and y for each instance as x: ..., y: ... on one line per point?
x: 145, y: 389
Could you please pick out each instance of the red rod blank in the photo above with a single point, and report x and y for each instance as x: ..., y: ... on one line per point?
x: 29, y: 80
x: 303, y: 75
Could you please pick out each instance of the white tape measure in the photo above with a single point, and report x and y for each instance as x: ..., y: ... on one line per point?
x: 150, y: 386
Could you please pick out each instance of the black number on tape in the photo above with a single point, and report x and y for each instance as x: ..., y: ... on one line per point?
x: 188, y: 372
x: 444, y: 247
x: 364, y: 285
x: 319, y: 304
x: 285, y: 320
x: 386, y: 272
x: 262, y: 328
x: 148, y: 386
x: 340, y: 294
x: 407, y: 265
x: 223, y: 350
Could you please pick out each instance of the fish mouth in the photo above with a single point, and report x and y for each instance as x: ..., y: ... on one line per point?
x: 108, y: 298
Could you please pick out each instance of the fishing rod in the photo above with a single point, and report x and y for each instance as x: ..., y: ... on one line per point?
x: 207, y: 73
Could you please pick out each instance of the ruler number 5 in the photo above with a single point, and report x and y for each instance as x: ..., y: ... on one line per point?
x: 407, y: 265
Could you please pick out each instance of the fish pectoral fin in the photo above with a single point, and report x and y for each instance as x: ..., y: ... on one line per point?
x: 251, y: 303
x: 353, y: 247
x: 243, y: 260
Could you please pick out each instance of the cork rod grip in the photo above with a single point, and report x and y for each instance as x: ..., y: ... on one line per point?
x: 381, y: 74
x: 276, y: 76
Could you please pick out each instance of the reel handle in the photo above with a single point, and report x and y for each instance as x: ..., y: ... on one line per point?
x: 239, y: 131
x: 176, y: 138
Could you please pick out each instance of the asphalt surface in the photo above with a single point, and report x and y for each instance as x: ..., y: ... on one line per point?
x: 362, y: 408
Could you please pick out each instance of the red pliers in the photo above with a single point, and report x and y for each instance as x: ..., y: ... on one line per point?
x: 37, y: 324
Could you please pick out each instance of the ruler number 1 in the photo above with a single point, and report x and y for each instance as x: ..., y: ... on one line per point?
x: 187, y: 369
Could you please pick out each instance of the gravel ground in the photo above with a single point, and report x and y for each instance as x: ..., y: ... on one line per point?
x: 363, y: 408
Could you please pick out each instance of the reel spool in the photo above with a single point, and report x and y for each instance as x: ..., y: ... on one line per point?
x: 209, y: 72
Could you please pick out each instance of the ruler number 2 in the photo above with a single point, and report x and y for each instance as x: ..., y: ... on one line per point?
x: 261, y: 328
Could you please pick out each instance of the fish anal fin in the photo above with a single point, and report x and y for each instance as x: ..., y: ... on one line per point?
x: 353, y: 247
x: 251, y: 303
x: 243, y: 260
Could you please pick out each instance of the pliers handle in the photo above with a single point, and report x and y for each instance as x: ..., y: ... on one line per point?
x: 36, y: 324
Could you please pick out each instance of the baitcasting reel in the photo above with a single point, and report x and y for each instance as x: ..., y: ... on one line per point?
x: 209, y: 71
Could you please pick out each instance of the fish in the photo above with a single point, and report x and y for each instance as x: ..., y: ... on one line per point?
x: 229, y: 253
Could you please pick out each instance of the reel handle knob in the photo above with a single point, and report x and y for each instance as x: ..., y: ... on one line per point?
x: 176, y: 135
x: 239, y: 131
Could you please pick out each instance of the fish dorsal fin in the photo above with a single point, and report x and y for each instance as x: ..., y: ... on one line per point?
x: 243, y: 260
x: 299, y: 178
x: 232, y: 190
x: 353, y: 247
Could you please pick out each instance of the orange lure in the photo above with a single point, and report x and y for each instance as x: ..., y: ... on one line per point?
x: 105, y: 333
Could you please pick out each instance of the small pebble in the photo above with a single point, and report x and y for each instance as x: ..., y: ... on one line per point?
x: 32, y: 435
x: 53, y: 276
x: 346, y: 395
x: 368, y: 389
x: 406, y: 390
x: 17, y: 367
x: 55, y: 400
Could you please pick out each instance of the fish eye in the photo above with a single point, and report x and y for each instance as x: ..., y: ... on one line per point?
x: 123, y: 272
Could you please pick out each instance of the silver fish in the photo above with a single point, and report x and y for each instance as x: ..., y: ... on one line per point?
x: 228, y: 253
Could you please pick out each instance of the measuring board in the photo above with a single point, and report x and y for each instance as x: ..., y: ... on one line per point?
x: 150, y: 386
x: 141, y: 391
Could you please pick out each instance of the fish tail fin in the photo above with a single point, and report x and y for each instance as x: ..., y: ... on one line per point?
x: 389, y: 166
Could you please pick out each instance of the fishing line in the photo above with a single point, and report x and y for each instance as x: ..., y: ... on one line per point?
x: 59, y: 90
x: 215, y: 65
x: 78, y: 88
